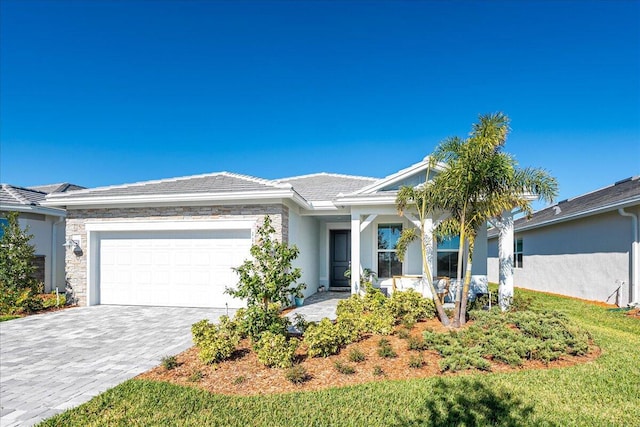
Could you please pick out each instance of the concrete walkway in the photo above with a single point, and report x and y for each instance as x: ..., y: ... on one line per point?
x: 320, y: 305
x: 55, y: 361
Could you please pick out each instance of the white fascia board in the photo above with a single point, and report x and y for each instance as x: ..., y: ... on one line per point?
x: 322, y: 205
x: 60, y: 213
x: 590, y: 212
x: 178, y: 198
x: 159, y: 225
x: 369, y: 200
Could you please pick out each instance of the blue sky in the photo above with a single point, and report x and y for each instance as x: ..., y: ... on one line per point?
x: 109, y: 92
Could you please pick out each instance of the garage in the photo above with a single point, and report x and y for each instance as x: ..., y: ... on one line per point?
x: 180, y: 268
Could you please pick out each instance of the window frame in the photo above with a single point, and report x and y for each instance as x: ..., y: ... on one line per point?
x: 453, y: 250
x: 393, y: 250
x: 518, y: 255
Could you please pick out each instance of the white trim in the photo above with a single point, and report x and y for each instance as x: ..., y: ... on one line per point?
x: 329, y: 226
x: 367, y: 222
x: 287, y: 193
x: 374, y: 199
x: 217, y: 224
x: 57, y: 212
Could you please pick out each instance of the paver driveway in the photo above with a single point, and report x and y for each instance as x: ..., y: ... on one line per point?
x: 54, y: 361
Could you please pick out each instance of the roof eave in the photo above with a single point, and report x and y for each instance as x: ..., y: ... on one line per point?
x: 595, y: 211
x: 366, y: 200
x: 51, y: 211
x: 284, y: 193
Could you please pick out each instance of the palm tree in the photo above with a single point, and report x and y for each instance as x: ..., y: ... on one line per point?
x: 481, y: 182
x: 424, y: 200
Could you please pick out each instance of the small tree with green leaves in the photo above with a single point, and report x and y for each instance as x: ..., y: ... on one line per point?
x: 269, y: 276
x: 18, y: 287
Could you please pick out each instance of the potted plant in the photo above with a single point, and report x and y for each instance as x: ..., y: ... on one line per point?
x: 298, y: 297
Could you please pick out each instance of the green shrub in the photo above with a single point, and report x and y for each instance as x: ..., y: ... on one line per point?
x: 19, y: 290
x: 379, y: 321
x: 369, y: 314
x: 404, y: 333
x: 324, y: 339
x: 356, y: 355
x: 344, y: 368
x: 215, y: 342
x: 351, y: 326
x: 509, y: 338
x: 409, y: 305
x: 300, y: 323
x: 51, y: 300
x: 195, y: 376
x: 239, y: 380
x: 408, y: 321
x: 254, y: 320
x: 169, y: 362
x: 378, y: 371
x: 352, y: 305
x: 274, y: 350
x: 297, y: 374
x: 416, y: 343
x: 463, y: 361
x: 416, y: 361
x: 373, y: 297
x: 385, y: 350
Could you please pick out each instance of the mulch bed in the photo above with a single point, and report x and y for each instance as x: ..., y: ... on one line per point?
x: 245, y: 375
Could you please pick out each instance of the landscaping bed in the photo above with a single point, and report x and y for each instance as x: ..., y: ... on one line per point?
x: 243, y: 374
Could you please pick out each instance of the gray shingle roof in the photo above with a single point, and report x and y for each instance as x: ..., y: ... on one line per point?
x: 12, y: 195
x: 608, y: 198
x: 56, y: 188
x: 326, y: 186
x: 221, y: 182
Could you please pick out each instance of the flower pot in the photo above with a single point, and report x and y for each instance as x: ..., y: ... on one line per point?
x: 299, y: 301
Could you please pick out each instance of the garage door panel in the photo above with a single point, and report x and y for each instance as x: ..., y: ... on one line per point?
x: 171, y: 268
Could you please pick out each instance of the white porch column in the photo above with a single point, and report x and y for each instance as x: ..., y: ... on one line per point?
x: 355, y: 253
x: 505, y: 259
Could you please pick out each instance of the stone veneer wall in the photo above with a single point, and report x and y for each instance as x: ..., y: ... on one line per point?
x: 76, y: 265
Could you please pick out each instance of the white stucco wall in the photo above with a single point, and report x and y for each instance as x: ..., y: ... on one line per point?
x: 41, y: 227
x: 582, y: 258
x: 304, y: 232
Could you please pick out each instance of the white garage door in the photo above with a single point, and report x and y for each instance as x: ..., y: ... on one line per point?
x: 163, y: 268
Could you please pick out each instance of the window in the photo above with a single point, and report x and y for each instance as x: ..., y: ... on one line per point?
x: 388, y: 263
x: 517, y: 253
x: 448, y: 256
x: 3, y: 223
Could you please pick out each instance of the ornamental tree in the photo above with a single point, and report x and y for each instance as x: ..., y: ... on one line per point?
x: 18, y: 287
x: 269, y: 276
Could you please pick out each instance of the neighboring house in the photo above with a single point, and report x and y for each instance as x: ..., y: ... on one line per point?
x: 585, y: 247
x: 46, y: 224
x: 173, y: 242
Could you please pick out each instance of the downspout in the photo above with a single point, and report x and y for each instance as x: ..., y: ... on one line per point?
x: 54, y: 253
x: 634, y: 255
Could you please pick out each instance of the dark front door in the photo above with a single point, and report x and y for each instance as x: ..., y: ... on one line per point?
x: 339, y: 257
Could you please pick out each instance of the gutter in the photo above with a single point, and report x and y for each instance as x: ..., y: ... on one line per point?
x: 635, y: 239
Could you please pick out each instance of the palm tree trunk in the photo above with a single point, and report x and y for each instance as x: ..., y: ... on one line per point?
x: 456, y: 312
x: 467, y: 283
x: 444, y: 319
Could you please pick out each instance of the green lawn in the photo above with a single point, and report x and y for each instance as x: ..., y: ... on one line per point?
x: 605, y: 392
